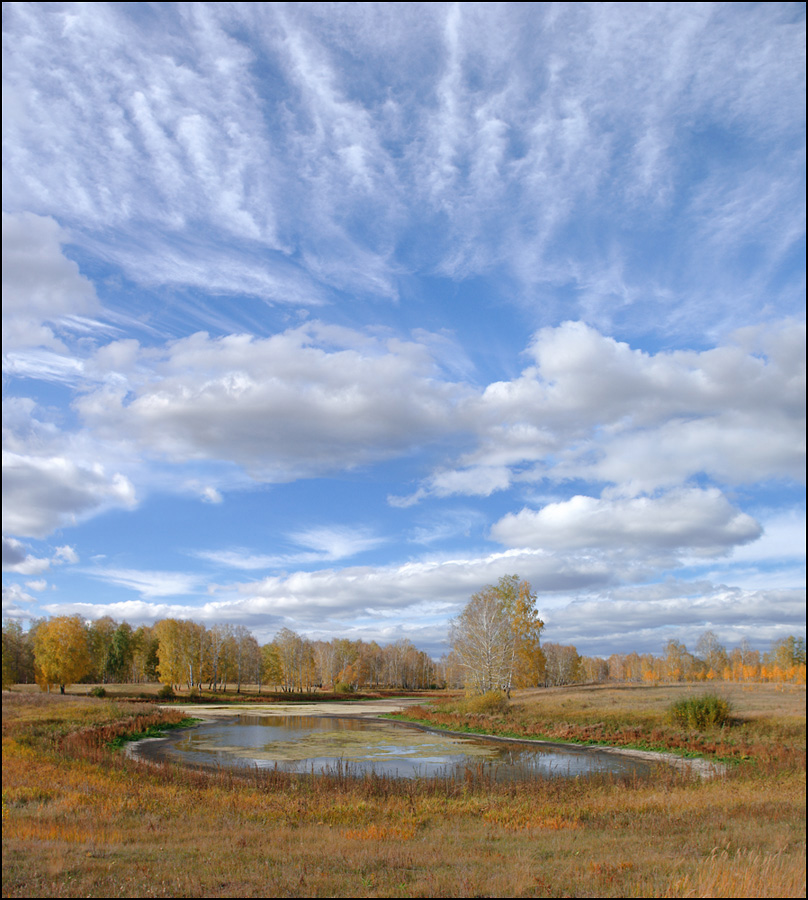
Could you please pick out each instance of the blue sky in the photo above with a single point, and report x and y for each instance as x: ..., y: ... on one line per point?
x: 324, y: 316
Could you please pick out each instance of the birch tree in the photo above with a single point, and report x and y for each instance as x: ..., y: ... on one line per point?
x: 495, y: 639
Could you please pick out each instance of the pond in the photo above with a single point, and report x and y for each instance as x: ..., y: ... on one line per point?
x: 317, y: 745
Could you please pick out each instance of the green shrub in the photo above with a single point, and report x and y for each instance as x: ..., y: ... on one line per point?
x: 702, y: 712
x: 166, y: 692
x: 491, y: 703
x: 342, y: 687
x: 98, y: 691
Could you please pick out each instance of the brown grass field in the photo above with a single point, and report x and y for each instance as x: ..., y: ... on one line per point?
x: 80, y: 819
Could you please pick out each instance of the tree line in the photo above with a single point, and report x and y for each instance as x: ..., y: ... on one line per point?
x: 495, y: 645
x: 187, y: 655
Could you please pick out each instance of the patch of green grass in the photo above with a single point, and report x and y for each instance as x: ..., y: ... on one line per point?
x: 119, y: 741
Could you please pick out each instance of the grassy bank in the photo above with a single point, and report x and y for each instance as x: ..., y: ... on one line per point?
x: 82, y: 820
x: 766, y: 722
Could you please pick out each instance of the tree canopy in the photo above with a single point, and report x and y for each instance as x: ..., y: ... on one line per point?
x: 61, y: 651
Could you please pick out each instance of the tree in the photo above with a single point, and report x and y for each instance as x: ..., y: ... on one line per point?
x: 119, y: 661
x: 101, y: 634
x: 563, y: 664
x: 18, y: 655
x: 712, y: 653
x: 61, y: 652
x: 496, y: 637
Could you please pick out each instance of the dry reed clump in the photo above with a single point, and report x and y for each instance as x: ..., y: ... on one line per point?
x: 491, y: 703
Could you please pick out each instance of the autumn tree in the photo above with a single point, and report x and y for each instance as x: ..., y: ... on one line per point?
x: 61, y: 652
x: 180, y: 648
x: 495, y: 639
x: 563, y: 664
x: 100, y: 634
x: 18, y: 655
x: 713, y: 655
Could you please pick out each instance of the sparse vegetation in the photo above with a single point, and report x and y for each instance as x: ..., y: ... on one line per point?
x: 81, y: 820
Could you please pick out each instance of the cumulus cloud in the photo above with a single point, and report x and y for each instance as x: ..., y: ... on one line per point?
x: 16, y: 602
x: 16, y: 558
x: 42, y: 289
x: 303, y: 402
x: 700, y: 521
x: 43, y: 494
x: 594, y: 408
x: 315, y: 399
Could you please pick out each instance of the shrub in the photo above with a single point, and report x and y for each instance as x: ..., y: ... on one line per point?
x: 703, y: 712
x: 342, y: 687
x: 98, y: 691
x: 490, y: 703
x: 166, y: 692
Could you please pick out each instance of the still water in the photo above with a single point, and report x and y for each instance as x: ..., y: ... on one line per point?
x: 314, y: 744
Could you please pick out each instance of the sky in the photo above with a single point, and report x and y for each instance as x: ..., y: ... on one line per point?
x: 326, y: 315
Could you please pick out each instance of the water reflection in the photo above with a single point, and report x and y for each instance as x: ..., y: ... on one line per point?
x: 313, y: 744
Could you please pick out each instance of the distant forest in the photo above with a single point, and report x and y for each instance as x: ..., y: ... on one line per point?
x: 189, y: 656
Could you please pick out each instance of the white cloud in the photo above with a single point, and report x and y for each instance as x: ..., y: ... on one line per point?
x: 13, y: 596
x: 150, y: 583
x: 41, y: 287
x: 698, y: 521
x: 16, y: 558
x: 66, y: 554
x: 594, y: 408
x: 469, y: 136
x: 645, y: 621
x: 43, y: 494
x: 337, y: 542
x: 328, y: 543
x: 304, y: 402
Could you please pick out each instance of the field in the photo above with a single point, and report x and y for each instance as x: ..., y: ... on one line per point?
x: 82, y: 820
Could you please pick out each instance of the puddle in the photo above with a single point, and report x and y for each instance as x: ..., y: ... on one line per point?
x: 311, y: 744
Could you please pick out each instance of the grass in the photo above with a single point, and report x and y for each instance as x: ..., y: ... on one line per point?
x: 767, y: 722
x: 81, y: 820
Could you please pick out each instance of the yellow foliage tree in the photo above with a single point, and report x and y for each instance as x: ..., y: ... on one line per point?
x: 496, y: 637
x: 61, y: 652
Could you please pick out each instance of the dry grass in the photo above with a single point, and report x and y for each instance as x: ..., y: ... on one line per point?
x: 81, y: 821
x: 767, y: 723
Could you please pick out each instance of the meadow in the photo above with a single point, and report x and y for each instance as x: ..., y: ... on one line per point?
x: 81, y: 819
